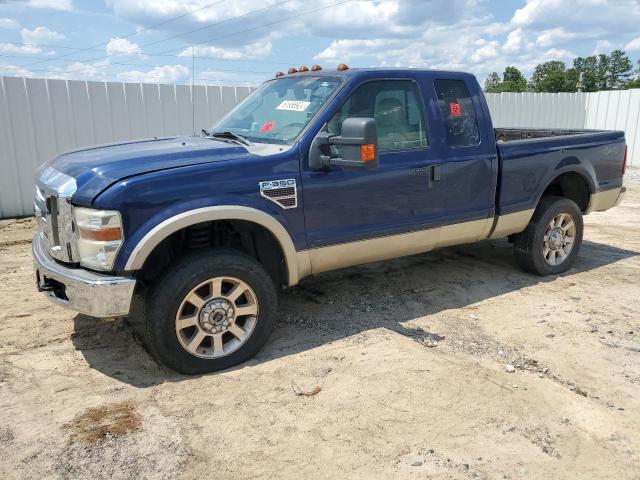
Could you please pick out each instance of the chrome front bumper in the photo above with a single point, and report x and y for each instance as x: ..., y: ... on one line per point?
x: 79, y: 289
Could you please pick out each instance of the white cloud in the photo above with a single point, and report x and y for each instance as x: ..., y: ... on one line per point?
x: 79, y: 71
x: 10, y: 48
x: 572, y: 14
x: 122, y: 46
x: 159, y: 74
x: 485, y: 51
x: 633, y: 45
x: 9, y: 23
x: 229, y: 78
x: 51, y: 4
x: 554, y: 36
x: 15, y: 71
x: 256, y: 50
x: 516, y: 41
x: 558, y: 54
x: 604, y: 46
x: 345, y: 50
x: 40, y: 35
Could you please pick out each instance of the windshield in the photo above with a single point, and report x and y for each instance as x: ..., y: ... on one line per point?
x: 278, y: 110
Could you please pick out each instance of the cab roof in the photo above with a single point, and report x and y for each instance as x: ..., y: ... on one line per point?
x: 381, y: 72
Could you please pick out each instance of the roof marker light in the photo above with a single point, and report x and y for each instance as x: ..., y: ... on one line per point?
x: 315, y: 68
x: 292, y: 70
x: 343, y: 66
x: 303, y: 68
x: 279, y: 74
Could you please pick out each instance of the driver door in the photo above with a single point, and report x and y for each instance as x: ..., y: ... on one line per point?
x: 402, y: 195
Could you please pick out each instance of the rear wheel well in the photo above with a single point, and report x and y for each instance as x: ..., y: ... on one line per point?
x: 248, y: 237
x: 570, y: 185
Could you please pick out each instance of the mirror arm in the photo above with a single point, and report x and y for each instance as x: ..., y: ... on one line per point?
x: 317, y: 160
x: 341, y: 162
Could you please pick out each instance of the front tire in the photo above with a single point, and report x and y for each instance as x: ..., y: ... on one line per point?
x: 211, y: 310
x: 551, y: 242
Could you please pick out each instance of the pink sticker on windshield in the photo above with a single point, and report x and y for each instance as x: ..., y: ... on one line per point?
x: 267, y: 126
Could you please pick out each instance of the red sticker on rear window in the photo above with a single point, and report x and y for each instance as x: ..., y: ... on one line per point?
x: 455, y: 109
x: 267, y: 126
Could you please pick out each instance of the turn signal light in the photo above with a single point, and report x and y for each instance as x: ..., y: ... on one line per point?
x: 292, y: 70
x: 315, y: 68
x: 367, y: 152
x: 343, y: 66
x: 303, y: 68
x: 279, y: 74
x: 101, y: 235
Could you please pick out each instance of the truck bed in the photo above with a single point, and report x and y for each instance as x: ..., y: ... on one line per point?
x: 530, y: 158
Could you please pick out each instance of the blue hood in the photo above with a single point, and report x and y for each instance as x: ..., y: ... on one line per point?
x: 96, y: 168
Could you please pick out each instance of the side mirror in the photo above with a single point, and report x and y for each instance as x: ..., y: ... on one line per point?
x: 359, y: 141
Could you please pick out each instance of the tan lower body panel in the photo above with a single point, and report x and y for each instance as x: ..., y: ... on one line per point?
x: 333, y: 257
x: 383, y: 248
x: 601, y: 201
x: 512, y: 223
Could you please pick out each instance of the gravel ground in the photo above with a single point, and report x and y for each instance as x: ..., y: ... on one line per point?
x: 452, y: 364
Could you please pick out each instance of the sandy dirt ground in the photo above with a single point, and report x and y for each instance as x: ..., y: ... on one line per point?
x: 404, y: 364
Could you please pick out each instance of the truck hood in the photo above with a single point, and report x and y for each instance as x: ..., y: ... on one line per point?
x: 96, y: 168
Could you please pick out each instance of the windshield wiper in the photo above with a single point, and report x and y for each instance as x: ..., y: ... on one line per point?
x: 230, y: 136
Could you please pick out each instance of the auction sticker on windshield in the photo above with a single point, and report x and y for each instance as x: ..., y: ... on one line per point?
x: 294, y: 105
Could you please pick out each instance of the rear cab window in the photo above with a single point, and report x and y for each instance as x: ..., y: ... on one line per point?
x: 458, y: 113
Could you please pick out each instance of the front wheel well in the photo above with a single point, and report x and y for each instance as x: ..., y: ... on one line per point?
x: 571, y: 185
x: 253, y: 239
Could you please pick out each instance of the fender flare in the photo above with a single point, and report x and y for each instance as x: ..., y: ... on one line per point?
x: 295, y: 261
x: 581, y: 172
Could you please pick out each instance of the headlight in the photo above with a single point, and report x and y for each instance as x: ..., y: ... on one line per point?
x: 99, y: 237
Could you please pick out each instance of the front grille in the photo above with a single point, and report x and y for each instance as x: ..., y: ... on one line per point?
x: 54, y: 213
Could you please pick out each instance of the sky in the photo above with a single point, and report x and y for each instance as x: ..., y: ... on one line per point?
x: 244, y: 42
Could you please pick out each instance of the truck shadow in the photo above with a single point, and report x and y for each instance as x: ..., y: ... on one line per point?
x: 336, y: 305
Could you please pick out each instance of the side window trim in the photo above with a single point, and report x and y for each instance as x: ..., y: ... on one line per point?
x: 419, y: 99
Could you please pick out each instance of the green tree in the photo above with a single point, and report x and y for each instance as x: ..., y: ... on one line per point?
x: 602, y: 71
x: 635, y: 83
x: 619, y: 71
x: 588, y: 66
x: 492, y: 82
x: 513, y: 80
x: 571, y: 78
x: 550, y: 77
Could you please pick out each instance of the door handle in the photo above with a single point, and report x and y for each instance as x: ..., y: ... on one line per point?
x: 435, y: 174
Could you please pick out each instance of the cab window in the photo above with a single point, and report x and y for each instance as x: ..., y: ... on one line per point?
x: 397, y: 109
x: 458, y: 114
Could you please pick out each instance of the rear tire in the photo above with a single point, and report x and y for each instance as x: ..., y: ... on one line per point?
x: 210, y: 311
x: 551, y: 242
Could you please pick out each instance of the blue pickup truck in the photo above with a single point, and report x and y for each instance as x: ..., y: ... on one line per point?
x: 316, y: 170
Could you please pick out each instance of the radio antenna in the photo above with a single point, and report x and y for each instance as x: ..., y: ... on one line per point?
x: 193, y: 91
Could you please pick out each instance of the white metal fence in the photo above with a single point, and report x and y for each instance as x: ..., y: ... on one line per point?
x: 616, y: 110
x: 42, y: 118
